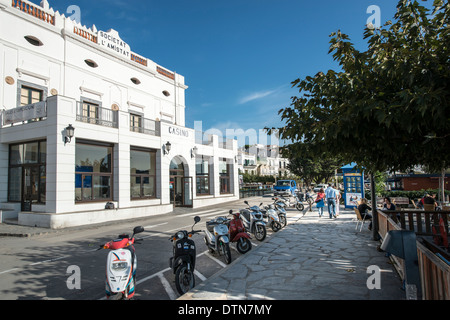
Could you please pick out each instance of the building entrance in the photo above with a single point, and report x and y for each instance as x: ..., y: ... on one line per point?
x: 181, y: 192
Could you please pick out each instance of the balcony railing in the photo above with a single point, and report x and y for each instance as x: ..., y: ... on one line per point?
x: 150, y: 127
x: 98, y: 116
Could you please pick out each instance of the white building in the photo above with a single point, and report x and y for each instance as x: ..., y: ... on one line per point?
x: 262, y: 160
x: 130, y: 149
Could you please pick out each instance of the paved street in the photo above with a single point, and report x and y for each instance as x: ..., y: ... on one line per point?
x: 311, y: 259
x: 34, y: 261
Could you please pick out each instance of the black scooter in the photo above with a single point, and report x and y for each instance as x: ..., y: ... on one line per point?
x: 183, y: 260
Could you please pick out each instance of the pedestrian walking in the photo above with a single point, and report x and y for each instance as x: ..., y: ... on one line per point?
x: 331, y: 196
x: 320, y: 202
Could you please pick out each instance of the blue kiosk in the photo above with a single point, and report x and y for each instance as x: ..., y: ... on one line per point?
x: 353, y: 185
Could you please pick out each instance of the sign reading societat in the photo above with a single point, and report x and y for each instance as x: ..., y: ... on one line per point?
x: 111, y: 40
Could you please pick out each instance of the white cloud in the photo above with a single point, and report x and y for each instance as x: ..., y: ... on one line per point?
x: 256, y: 96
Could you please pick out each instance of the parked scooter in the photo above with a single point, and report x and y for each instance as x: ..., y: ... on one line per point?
x: 280, y: 208
x: 272, y: 218
x: 294, y: 202
x: 238, y: 234
x: 217, y: 237
x: 252, y: 219
x: 121, y: 266
x: 182, y: 262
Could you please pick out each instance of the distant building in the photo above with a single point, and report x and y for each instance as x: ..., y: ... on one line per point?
x: 416, y: 182
x: 262, y: 160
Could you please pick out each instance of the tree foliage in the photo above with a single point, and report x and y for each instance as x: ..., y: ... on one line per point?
x: 311, y: 167
x: 388, y: 108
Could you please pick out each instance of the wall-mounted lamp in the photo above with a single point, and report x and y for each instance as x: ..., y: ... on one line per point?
x: 194, y: 152
x: 167, y: 147
x: 70, y: 133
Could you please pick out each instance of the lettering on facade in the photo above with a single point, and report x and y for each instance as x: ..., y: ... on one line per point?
x: 29, y: 112
x: 112, y: 41
x: 179, y: 132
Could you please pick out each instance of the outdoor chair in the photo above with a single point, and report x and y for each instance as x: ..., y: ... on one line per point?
x: 359, y: 219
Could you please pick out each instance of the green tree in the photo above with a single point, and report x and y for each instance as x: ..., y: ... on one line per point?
x: 388, y: 108
x: 310, y: 166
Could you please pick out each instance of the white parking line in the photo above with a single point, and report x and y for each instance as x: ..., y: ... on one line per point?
x: 198, y: 274
x: 223, y: 265
x: 10, y: 270
x: 156, y: 225
x: 172, y: 295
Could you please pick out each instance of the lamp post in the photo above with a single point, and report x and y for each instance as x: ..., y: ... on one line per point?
x: 167, y: 148
x: 70, y: 133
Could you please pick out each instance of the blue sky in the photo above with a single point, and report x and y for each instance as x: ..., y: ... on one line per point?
x: 238, y: 57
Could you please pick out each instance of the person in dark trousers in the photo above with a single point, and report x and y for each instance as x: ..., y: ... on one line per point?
x: 364, y: 209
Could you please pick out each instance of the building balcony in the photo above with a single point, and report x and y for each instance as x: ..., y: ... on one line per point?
x: 25, y: 114
x: 97, y: 115
x: 147, y: 126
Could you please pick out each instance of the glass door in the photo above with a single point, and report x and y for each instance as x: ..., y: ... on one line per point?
x: 30, y: 183
x: 176, y: 191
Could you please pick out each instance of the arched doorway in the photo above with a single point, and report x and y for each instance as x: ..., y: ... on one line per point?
x: 180, y: 186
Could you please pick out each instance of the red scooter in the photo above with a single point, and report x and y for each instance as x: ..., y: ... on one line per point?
x: 238, y: 234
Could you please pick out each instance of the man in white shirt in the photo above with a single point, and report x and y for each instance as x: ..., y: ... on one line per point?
x: 331, y: 196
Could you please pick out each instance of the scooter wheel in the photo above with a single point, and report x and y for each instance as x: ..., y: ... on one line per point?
x: 184, y: 279
x: 300, y: 207
x: 244, y: 245
x: 260, y: 233
x: 283, y: 221
x: 224, y: 249
x: 276, y: 226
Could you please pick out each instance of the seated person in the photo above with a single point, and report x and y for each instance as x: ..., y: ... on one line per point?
x: 363, y: 209
x: 388, y: 205
x: 430, y: 201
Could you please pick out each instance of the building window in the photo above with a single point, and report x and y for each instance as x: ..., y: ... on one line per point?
x: 91, y: 63
x: 135, y: 123
x: 29, y: 95
x: 93, y: 172
x: 90, y: 112
x: 34, y: 41
x: 143, y: 174
x: 202, y: 175
x: 27, y: 172
x: 225, y: 174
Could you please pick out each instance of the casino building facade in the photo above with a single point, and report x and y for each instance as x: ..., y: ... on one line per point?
x: 93, y: 132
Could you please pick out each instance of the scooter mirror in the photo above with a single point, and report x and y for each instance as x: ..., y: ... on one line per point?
x: 261, y: 204
x: 230, y: 212
x: 246, y: 202
x: 197, y: 219
x: 138, y: 230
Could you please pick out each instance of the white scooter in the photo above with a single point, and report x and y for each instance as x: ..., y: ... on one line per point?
x: 217, y: 237
x: 121, y: 267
